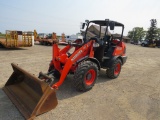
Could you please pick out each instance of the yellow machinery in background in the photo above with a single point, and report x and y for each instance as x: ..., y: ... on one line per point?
x: 36, y: 36
x: 27, y: 39
x: 16, y: 39
x: 45, y: 39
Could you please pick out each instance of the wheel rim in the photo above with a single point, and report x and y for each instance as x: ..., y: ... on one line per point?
x: 90, y: 77
x: 117, y: 69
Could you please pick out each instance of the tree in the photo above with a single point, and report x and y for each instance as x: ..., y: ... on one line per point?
x: 152, y: 32
x: 158, y: 31
x: 136, y: 34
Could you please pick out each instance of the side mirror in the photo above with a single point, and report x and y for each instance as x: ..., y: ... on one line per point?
x: 82, y: 26
x: 112, y: 24
x: 87, y: 21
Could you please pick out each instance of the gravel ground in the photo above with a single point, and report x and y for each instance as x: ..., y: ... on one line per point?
x: 134, y: 95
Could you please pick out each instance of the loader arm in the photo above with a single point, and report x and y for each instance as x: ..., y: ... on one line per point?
x: 58, y: 58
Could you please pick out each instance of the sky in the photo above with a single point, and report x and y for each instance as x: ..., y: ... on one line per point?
x: 65, y: 16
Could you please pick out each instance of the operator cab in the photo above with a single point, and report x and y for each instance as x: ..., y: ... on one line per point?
x: 104, y: 32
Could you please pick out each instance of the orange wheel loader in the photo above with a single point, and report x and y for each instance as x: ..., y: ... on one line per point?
x: 36, y: 95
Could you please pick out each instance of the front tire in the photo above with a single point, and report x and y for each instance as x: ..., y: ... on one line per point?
x: 85, y: 76
x: 115, y: 70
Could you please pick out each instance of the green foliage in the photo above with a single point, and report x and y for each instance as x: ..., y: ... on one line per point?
x: 58, y: 36
x: 136, y: 34
x: 152, y: 32
x: 158, y: 31
x: 2, y: 35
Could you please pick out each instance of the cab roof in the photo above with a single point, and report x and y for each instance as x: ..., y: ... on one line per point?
x: 105, y: 22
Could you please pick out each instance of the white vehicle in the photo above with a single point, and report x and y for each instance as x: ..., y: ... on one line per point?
x: 72, y: 38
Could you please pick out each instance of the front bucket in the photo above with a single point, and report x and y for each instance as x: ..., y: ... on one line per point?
x: 30, y: 95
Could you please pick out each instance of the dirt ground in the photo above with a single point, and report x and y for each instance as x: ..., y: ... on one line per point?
x: 134, y: 95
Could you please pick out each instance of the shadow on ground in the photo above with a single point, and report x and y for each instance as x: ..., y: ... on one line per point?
x: 67, y: 89
x: 10, y: 49
x: 48, y: 45
x: 7, y: 109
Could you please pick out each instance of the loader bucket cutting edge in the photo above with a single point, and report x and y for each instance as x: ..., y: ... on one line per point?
x: 30, y: 95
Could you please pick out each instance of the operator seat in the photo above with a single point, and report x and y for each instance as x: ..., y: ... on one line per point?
x: 99, y: 51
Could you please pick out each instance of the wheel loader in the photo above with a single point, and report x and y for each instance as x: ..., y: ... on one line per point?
x: 36, y: 95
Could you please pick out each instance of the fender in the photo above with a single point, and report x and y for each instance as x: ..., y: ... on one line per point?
x: 109, y: 62
x: 91, y: 59
x: 95, y: 61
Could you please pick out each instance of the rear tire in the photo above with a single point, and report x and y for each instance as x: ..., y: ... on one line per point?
x: 85, y: 76
x: 115, y: 70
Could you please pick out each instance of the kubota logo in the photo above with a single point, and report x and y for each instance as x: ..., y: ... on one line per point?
x: 119, y: 48
x: 74, y: 57
x: 79, y: 52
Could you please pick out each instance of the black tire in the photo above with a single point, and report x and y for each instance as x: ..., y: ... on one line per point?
x: 45, y: 43
x: 41, y: 43
x: 1, y: 46
x: 115, y: 70
x: 85, y: 76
